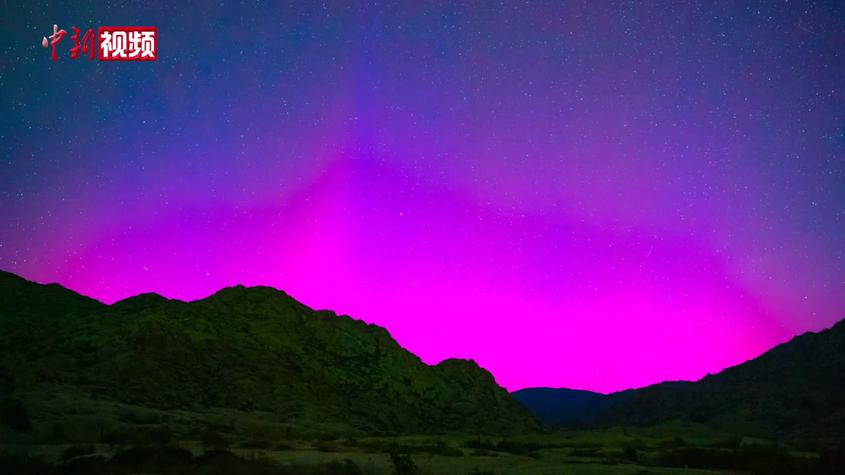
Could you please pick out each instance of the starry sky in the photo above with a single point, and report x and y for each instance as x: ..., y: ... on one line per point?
x: 585, y: 194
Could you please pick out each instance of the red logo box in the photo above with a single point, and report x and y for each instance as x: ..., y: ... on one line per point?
x: 127, y: 43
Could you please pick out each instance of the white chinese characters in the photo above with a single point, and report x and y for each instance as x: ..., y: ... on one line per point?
x: 129, y: 44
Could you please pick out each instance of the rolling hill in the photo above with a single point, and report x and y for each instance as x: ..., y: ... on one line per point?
x: 252, y: 350
x: 795, y: 389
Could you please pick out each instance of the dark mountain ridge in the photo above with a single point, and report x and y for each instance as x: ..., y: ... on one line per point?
x: 247, y: 349
x: 794, y: 389
x: 560, y: 406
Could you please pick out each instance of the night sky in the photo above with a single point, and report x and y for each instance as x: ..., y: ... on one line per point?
x: 584, y: 194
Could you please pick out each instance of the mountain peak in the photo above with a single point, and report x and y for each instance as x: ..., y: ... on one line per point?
x: 144, y: 300
x: 254, y: 293
x: 22, y: 297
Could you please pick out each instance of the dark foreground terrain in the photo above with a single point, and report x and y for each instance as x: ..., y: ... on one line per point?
x: 250, y: 381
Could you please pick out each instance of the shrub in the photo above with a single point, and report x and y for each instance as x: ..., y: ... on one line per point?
x: 139, y: 416
x: 585, y: 452
x: 150, y: 457
x: 22, y: 463
x: 256, y: 444
x: 77, y: 451
x: 341, y: 467
x: 403, y: 464
x: 672, y: 443
x: 518, y: 448
x: 214, y: 439
x: 139, y: 435
x: 13, y: 414
x: 326, y: 446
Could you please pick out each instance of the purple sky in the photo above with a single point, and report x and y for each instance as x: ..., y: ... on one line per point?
x: 580, y: 195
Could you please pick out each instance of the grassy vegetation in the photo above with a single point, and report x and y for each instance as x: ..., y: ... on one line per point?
x: 447, y: 454
x: 65, y: 431
x: 106, y: 437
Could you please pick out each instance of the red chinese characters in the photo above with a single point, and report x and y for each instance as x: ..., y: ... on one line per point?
x: 54, y: 40
x: 86, y: 45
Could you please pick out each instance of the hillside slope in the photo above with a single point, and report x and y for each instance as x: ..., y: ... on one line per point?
x: 794, y: 389
x: 249, y: 349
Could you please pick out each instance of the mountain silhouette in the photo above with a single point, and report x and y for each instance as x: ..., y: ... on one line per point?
x: 794, y: 389
x: 569, y: 407
x: 246, y: 349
